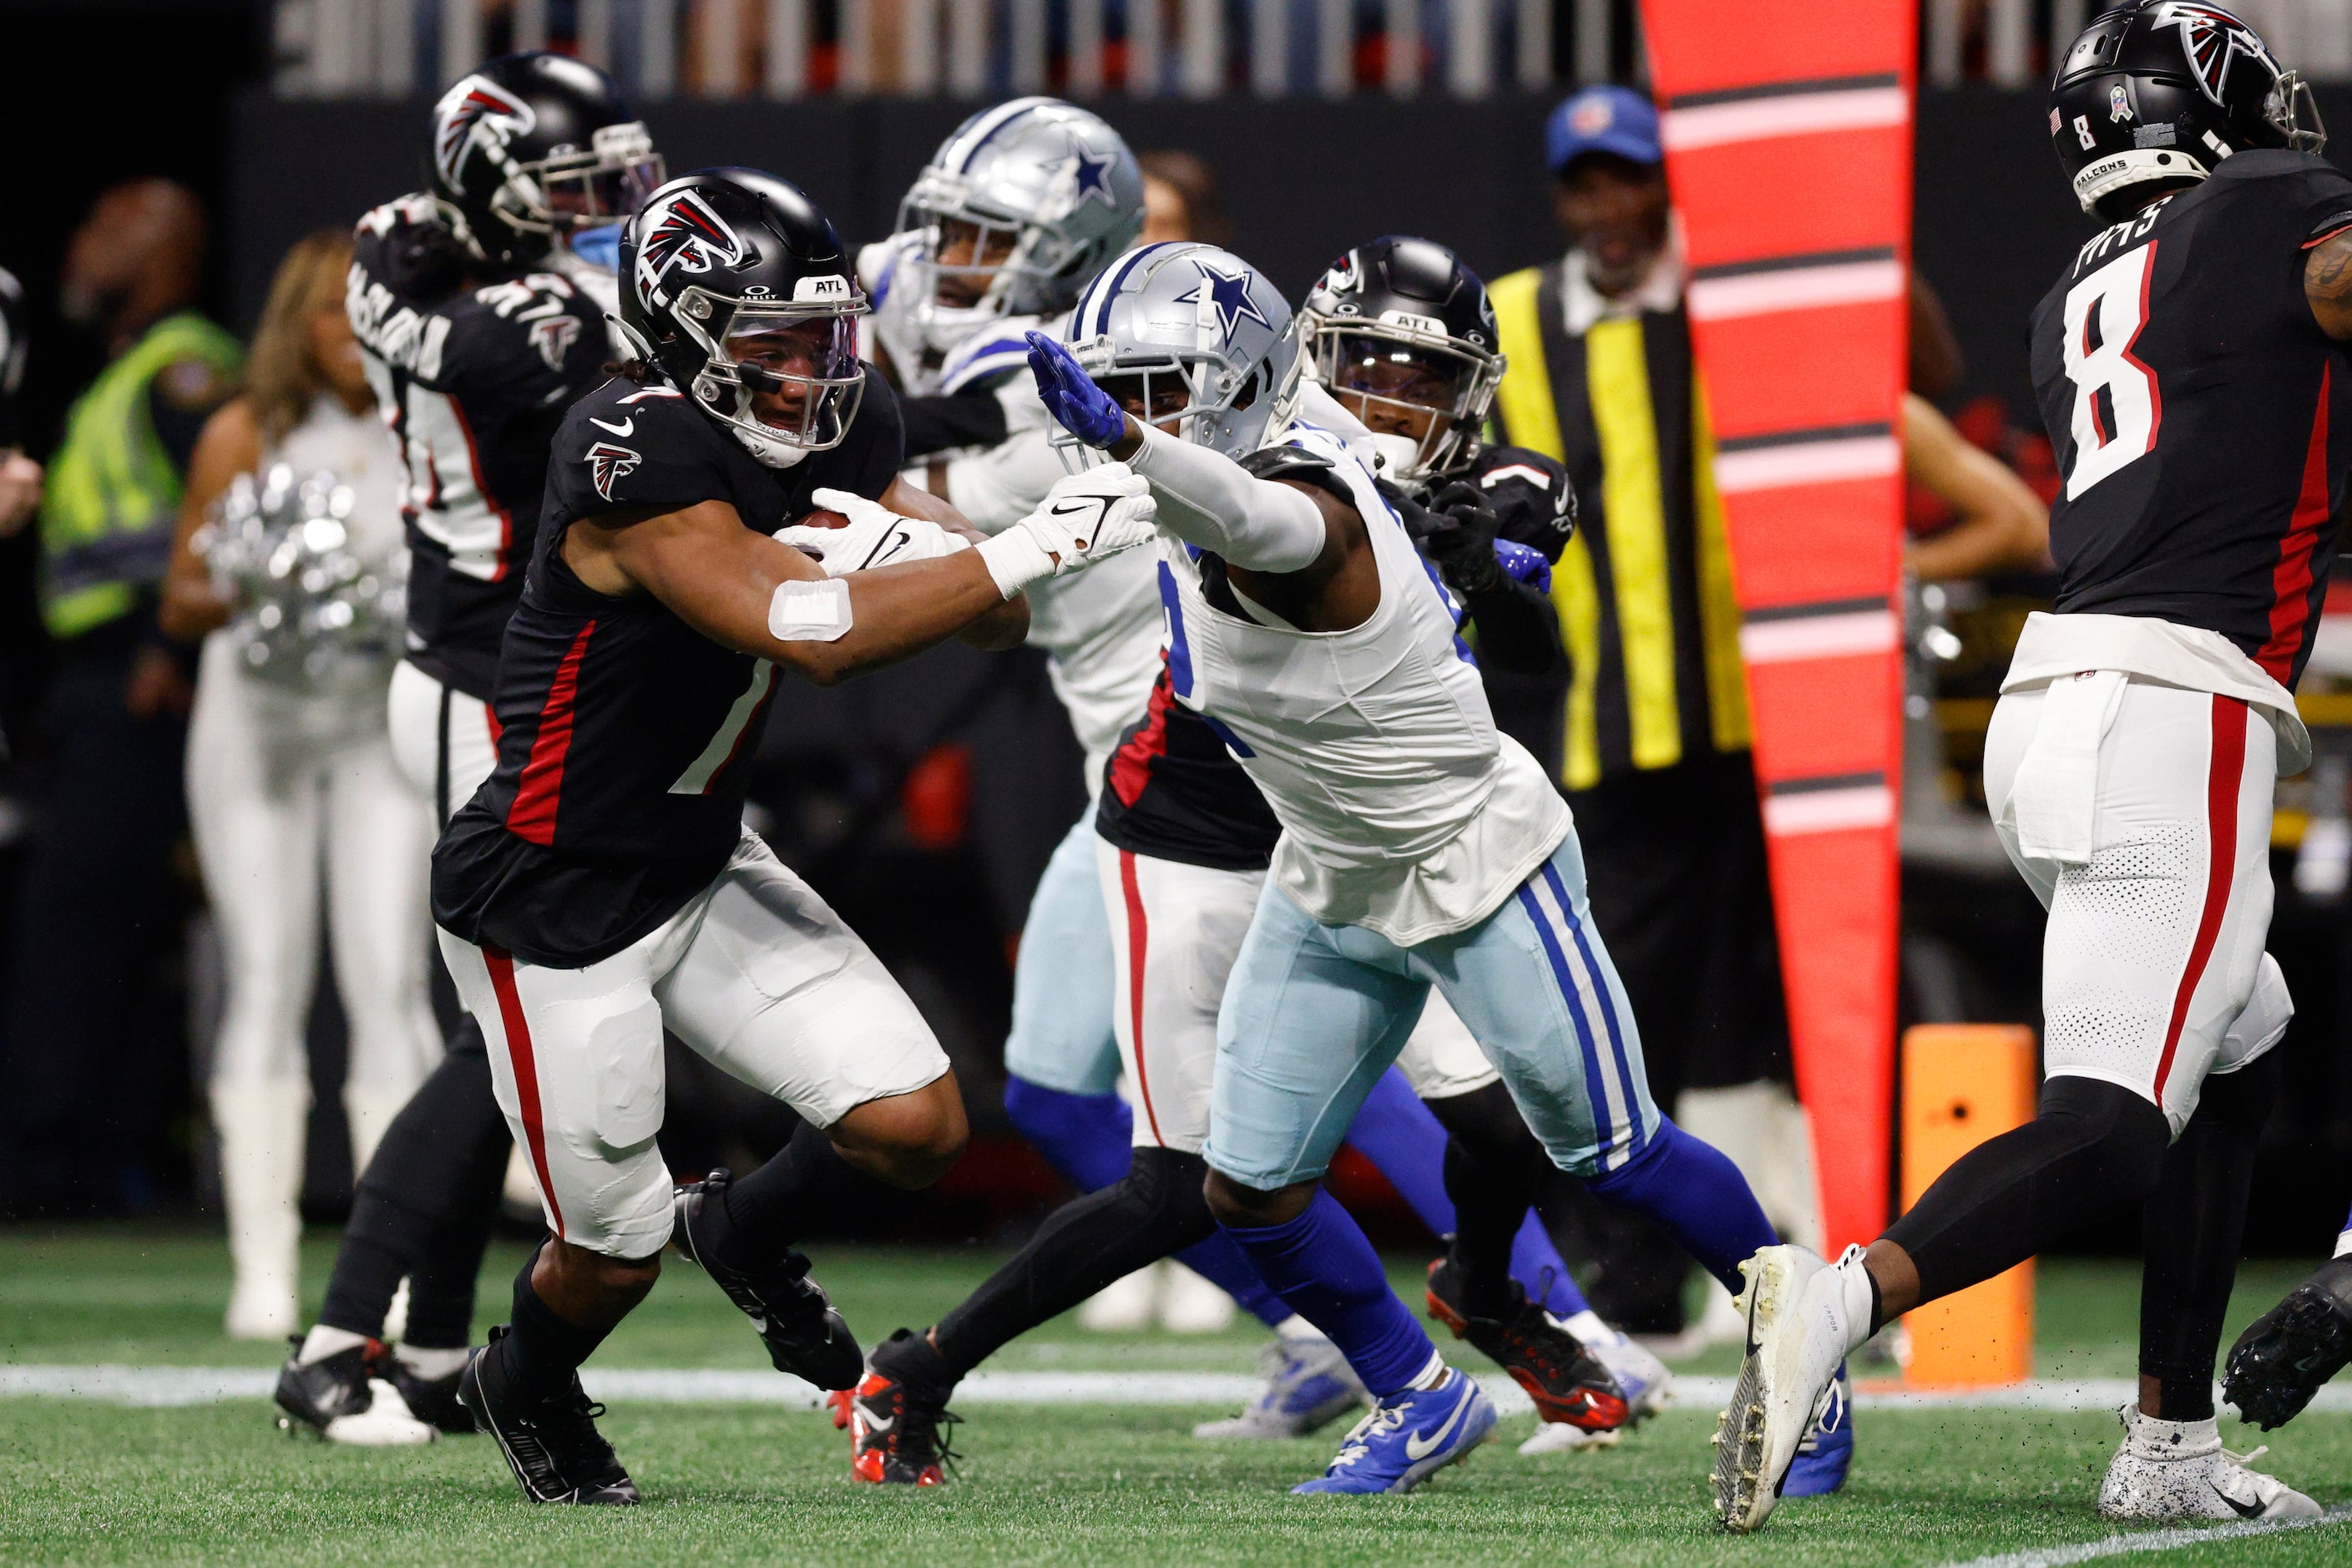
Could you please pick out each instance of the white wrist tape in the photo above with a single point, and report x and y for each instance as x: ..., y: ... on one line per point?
x: 1014, y: 559
x: 805, y: 611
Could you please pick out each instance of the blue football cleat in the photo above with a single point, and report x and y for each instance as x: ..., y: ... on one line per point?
x: 1308, y: 1386
x: 1407, y: 1438
x: 1826, y: 1451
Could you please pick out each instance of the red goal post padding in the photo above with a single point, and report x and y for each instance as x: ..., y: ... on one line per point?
x: 1788, y: 137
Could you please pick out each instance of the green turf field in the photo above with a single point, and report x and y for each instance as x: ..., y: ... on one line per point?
x: 83, y: 1481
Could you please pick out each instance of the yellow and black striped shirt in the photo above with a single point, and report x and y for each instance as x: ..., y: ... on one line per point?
x: 1645, y: 589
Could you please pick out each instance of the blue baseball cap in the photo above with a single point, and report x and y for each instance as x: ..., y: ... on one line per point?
x: 1603, y: 119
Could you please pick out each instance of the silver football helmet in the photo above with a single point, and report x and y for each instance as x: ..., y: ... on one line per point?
x: 1188, y: 335
x: 1014, y: 213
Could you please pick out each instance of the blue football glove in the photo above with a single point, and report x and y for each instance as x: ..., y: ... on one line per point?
x: 1071, y: 397
x: 1524, y: 564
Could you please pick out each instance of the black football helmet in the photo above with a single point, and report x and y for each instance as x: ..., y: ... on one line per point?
x: 532, y: 147
x: 736, y: 286
x: 2158, y: 93
x: 1404, y: 336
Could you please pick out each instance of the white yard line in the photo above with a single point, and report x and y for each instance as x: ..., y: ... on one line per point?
x: 2152, y: 1540
x: 173, y: 1386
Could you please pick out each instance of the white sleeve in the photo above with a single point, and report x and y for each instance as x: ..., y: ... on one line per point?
x: 1207, y: 499
x: 998, y: 488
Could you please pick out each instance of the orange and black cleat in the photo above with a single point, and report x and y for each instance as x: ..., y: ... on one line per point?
x: 895, y: 1416
x: 1568, y: 1382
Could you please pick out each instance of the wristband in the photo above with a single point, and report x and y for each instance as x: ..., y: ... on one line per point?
x: 1014, y: 559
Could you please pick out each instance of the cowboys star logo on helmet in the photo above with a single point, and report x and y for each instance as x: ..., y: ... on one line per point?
x: 1227, y: 294
x: 2211, y: 38
x: 476, y: 110
x: 682, y: 232
x: 608, y: 465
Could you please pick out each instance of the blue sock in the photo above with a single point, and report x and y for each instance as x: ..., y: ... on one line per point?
x: 1404, y: 1142
x: 1323, y: 1266
x: 1698, y: 1194
x: 1085, y: 1137
x: 1536, y: 1263
x: 1226, y: 1266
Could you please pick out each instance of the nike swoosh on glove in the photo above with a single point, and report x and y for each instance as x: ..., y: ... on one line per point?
x: 1084, y: 519
x: 875, y: 536
x: 1071, y: 397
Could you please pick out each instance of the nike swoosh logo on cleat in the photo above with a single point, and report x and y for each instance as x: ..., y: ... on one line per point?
x: 1416, y: 1450
x: 2243, y: 1509
x: 875, y: 1423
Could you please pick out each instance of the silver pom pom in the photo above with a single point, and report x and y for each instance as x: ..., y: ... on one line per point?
x: 312, y: 613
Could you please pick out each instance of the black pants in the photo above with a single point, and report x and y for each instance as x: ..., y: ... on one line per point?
x: 1674, y: 864
x: 90, y: 1036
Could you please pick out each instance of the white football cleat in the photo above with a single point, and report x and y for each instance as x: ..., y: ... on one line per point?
x: 1125, y: 1306
x: 1647, y: 1383
x: 2178, y: 1469
x: 1191, y: 1305
x: 1308, y: 1386
x: 1800, y: 1313
x: 1559, y: 1437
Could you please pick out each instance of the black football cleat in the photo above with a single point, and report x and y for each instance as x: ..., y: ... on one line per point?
x: 896, y: 1414
x: 795, y: 1318
x: 1568, y: 1382
x: 2290, y: 1352
x: 347, y: 1398
x: 551, y: 1445
x: 320, y: 1393
x: 432, y: 1400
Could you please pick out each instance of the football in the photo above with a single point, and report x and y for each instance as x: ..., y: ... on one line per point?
x: 823, y: 517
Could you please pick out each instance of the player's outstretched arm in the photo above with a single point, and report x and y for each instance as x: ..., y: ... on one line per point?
x: 1004, y: 627
x: 722, y: 579
x: 2327, y: 284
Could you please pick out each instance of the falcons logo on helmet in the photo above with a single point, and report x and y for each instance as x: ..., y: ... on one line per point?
x: 2211, y: 38
x: 477, y: 113
x: 608, y: 465
x: 681, y: 232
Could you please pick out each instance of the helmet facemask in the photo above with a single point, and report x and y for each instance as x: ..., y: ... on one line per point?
x: 1421, y: 393
x: 568, y: 191
x: 784, y: 378
x: 1194, y: 397
x: 975, y: 266
x: 2294, y: 113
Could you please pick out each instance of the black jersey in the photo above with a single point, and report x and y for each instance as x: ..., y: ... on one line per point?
x: 2198, y: 413
x: 625, y: 735
x: 1174, y: 790
x: 472, y: 384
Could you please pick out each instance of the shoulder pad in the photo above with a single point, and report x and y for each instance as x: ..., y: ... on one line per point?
x: 1298, y: 466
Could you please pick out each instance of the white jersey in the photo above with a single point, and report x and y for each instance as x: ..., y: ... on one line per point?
x: 887, y: 330
x: 1100, y: 628
x: 1403, y: 809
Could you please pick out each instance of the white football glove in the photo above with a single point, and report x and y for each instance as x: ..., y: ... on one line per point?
x: 1085, y: 518
x: 875, y: 536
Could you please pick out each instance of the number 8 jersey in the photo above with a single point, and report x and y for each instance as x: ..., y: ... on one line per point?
x: 2202, y: 420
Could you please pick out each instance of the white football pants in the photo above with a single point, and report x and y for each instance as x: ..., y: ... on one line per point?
x: 2153, y: 973
x: 756, y: 974
x: 1175, y: 930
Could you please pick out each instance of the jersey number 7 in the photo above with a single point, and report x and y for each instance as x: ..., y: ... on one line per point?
x: 2118, y: 407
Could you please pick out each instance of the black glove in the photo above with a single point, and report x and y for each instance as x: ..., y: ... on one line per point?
x: 1461, y: 538
x: 1531, y: 494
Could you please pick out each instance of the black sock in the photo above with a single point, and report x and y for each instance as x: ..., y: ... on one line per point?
x: 1493, y: 1168
x: 2190, y: 1229
x: 2092, y: 1147
x: 423, y: 1208
x: 773, y: 1206
x: 1157, y: 1208
x: 542, y: 1352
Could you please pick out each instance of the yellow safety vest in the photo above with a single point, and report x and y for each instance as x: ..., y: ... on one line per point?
x: 112, y: 496
x: 1643, y: 590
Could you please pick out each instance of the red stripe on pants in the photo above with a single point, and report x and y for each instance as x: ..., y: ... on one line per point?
x: 1138, y: 941
x: 526, y: 1072
x: 2222, y: 779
